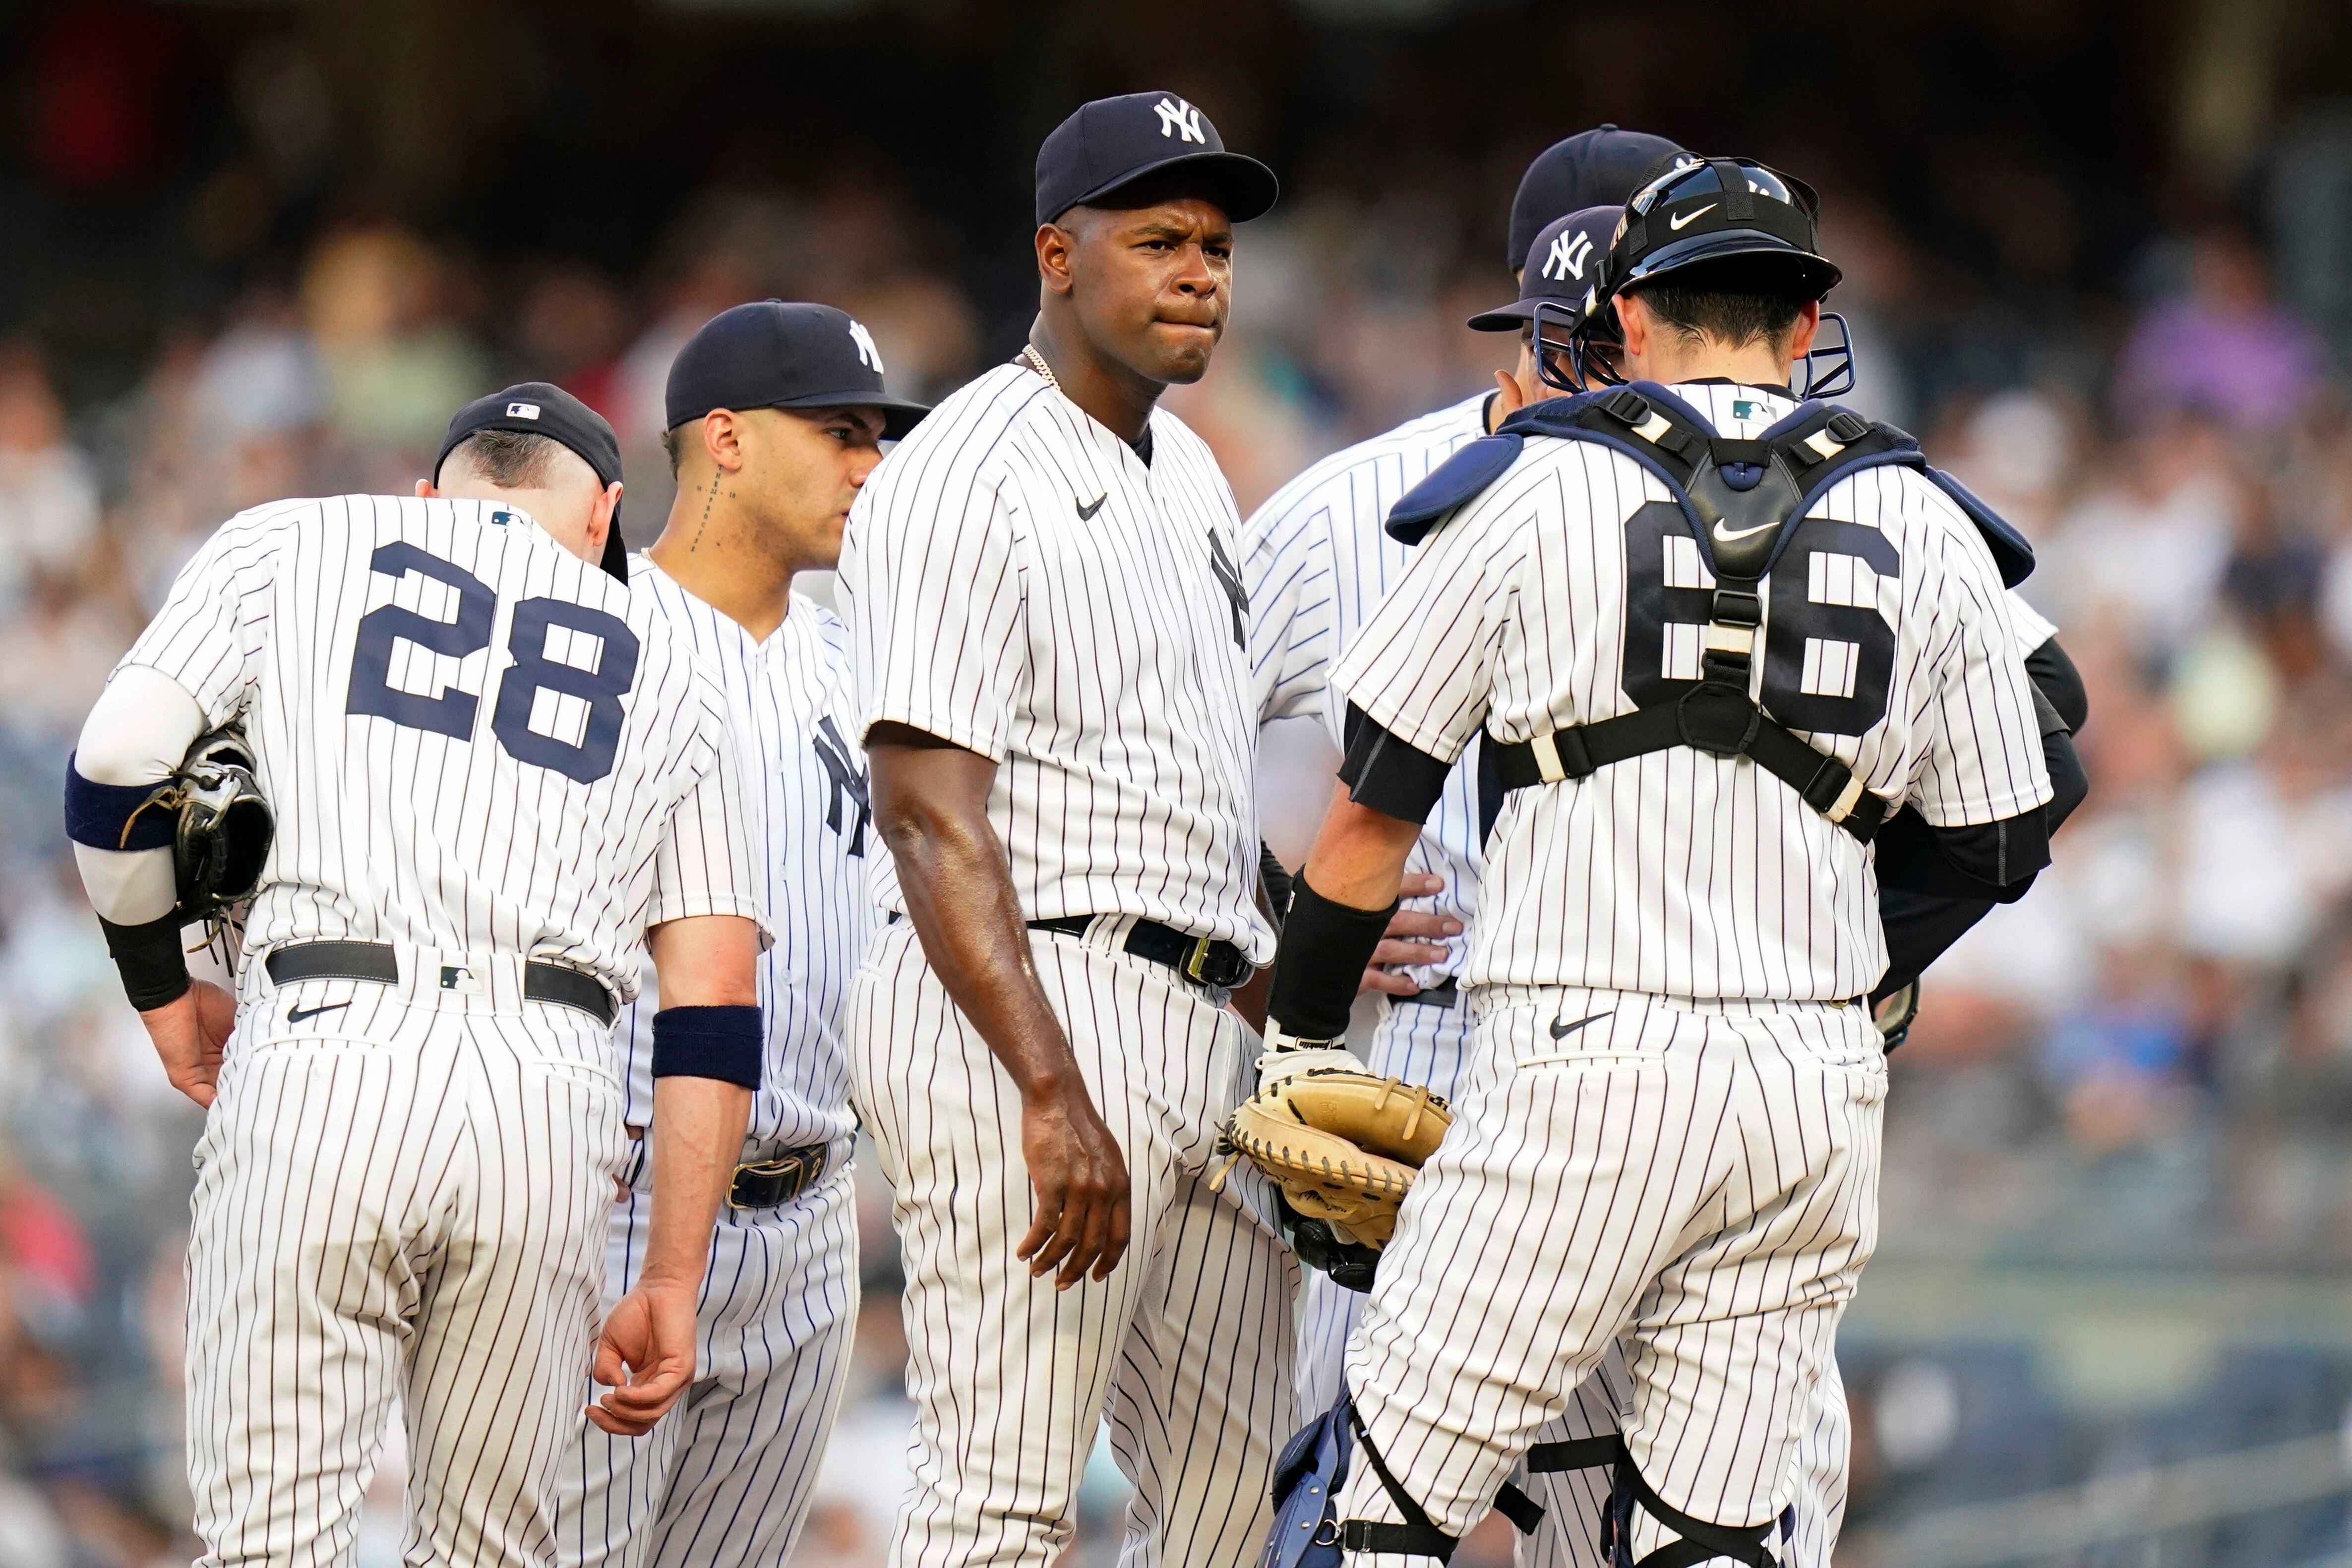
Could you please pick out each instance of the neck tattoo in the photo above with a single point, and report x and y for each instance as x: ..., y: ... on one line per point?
x: 1036, y: 362
x: 699, y: 528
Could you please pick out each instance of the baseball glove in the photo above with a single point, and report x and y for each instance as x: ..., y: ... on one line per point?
x: 1342, y: 1145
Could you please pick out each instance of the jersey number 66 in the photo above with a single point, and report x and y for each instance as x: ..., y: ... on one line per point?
x: 452, y: 712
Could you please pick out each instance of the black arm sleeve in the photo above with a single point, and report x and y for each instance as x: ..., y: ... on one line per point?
x: 1919, y: 928
x: 2060, y: 684
x: 1387, y: 774
x: 150, y: 958
x: 1324, y: 947
x: 1995, y: 861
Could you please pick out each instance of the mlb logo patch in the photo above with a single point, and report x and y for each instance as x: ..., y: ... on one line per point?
x: 523, y: 410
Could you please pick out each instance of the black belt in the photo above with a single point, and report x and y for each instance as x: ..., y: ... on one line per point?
x: 559, y: 984
x: 780, y: 1180
x: 1445, y: 994
x: 1713, y: 717
x: 1197, y: 958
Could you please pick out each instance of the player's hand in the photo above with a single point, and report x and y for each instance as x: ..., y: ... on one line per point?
x: 189, y: 1032
x: 645, y: 1356
x: 1407, y: 941
x: 1080, y: 1179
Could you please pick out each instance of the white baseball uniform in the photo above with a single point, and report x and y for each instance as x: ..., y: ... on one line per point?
x: 1019, y: 580
x: 481, y: 751
x: 725, y: 1479
x: 1670, y: 1128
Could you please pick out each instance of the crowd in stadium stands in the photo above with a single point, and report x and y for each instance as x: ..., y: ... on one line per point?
x: 2149, y: 1060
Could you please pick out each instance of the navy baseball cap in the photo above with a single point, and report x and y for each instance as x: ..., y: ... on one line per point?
x: 1565, y: 266
x: 1597, y: 168
x: 542, y: 408
x: 1114, y: 142
x: 771, y: 354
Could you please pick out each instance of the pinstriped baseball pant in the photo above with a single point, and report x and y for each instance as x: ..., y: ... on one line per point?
x: 1185, y: 1350
x: 724, y: 1479
x: 1698, y: 1178
x: 401, y: 1196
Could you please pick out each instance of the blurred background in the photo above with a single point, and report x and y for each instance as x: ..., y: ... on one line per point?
x: 2098, y: 253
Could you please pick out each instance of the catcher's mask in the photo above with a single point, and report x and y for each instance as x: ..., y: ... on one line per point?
x: 1731, y: 225
x: 225, y: 829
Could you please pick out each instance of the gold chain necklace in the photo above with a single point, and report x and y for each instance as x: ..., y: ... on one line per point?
x: 1036, y: 362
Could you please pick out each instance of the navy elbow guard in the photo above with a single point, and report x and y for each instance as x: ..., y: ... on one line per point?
x: 725, y: 1043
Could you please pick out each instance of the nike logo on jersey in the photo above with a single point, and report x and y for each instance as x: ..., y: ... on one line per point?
x: 295, y: 1015
x: 1561, y: 1030
x: 1676, y: 223
x: 1086, y: 514
x: 1723, y: 536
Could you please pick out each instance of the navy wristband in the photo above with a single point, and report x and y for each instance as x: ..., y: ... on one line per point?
x: 725, y: 1043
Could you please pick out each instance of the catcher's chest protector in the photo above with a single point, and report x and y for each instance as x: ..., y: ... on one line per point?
x: 1737, y: 500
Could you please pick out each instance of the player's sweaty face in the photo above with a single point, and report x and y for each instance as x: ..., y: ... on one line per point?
x: 806, y: 465
x: 1153, y: 286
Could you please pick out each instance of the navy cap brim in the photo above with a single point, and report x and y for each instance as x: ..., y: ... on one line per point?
x: 898, y: 414
x: 1510, y: 317
x: 1241, y: 187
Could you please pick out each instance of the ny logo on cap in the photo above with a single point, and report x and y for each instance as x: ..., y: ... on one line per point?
x: 523, y: 410
x: 1179, y: 120
x: 867, y: 354
x: 1569, y: 252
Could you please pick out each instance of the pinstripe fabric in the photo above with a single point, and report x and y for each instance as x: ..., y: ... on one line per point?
x: 1683, y: 873
x: 1185, y: 1349
x: 1019, y: 581
x: 1710, y: 1175
x: 399, y: 1197
x: 726, y: 1478
x: 1316, y: 561
x: 389, y: 831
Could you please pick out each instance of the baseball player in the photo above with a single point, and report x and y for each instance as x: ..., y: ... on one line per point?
x: 496, y: 774
x: 1315, y: 562
x: 776, y: 413
x: 1670, y: 1125
x: 1048, y: 622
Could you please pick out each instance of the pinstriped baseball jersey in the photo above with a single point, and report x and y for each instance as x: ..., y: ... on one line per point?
x: 1563, y: 594
x: 1314, y: 562
x: 1020, y: 581
x: 789, y: 710
x: 473, y: 740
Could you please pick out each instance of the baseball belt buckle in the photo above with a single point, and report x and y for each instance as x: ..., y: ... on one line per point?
x: 764, y: 1184
x: 1198, y: 957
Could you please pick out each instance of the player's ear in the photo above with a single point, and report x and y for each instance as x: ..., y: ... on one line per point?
x: 1808, y: 325
x: 1054, y: 244
x: 600, y: 518
x: 1634, y: 324
x: 424, y: 490
x: 722, y: 438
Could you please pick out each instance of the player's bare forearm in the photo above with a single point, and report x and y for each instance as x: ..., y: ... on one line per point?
x: 702, y: 961
x: 1358, y: 857
x: 930, y: 805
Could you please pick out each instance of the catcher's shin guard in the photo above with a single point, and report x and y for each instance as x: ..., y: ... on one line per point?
x: 1419, y: 1536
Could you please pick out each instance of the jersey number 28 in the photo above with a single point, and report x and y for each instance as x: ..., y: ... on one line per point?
x: 452, y: 712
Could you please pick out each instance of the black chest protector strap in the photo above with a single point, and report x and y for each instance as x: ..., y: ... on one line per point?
x: 1742, y: 498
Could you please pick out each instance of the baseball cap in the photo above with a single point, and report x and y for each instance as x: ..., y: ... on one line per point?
x: 1601, y: 167
x: 1115, y: 141
x: 771, y: 354
x: 542, y: 408
x: 1565, y: 266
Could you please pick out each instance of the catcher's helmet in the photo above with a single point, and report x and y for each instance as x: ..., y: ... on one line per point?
x: 1729, y: 226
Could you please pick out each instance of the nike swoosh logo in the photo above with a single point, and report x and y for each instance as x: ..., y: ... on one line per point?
x: 1085, y: 513
x: 1723, y: 536
x: 1562, y: 1030
x: 295, y: 1015
x: 1676, y: 223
